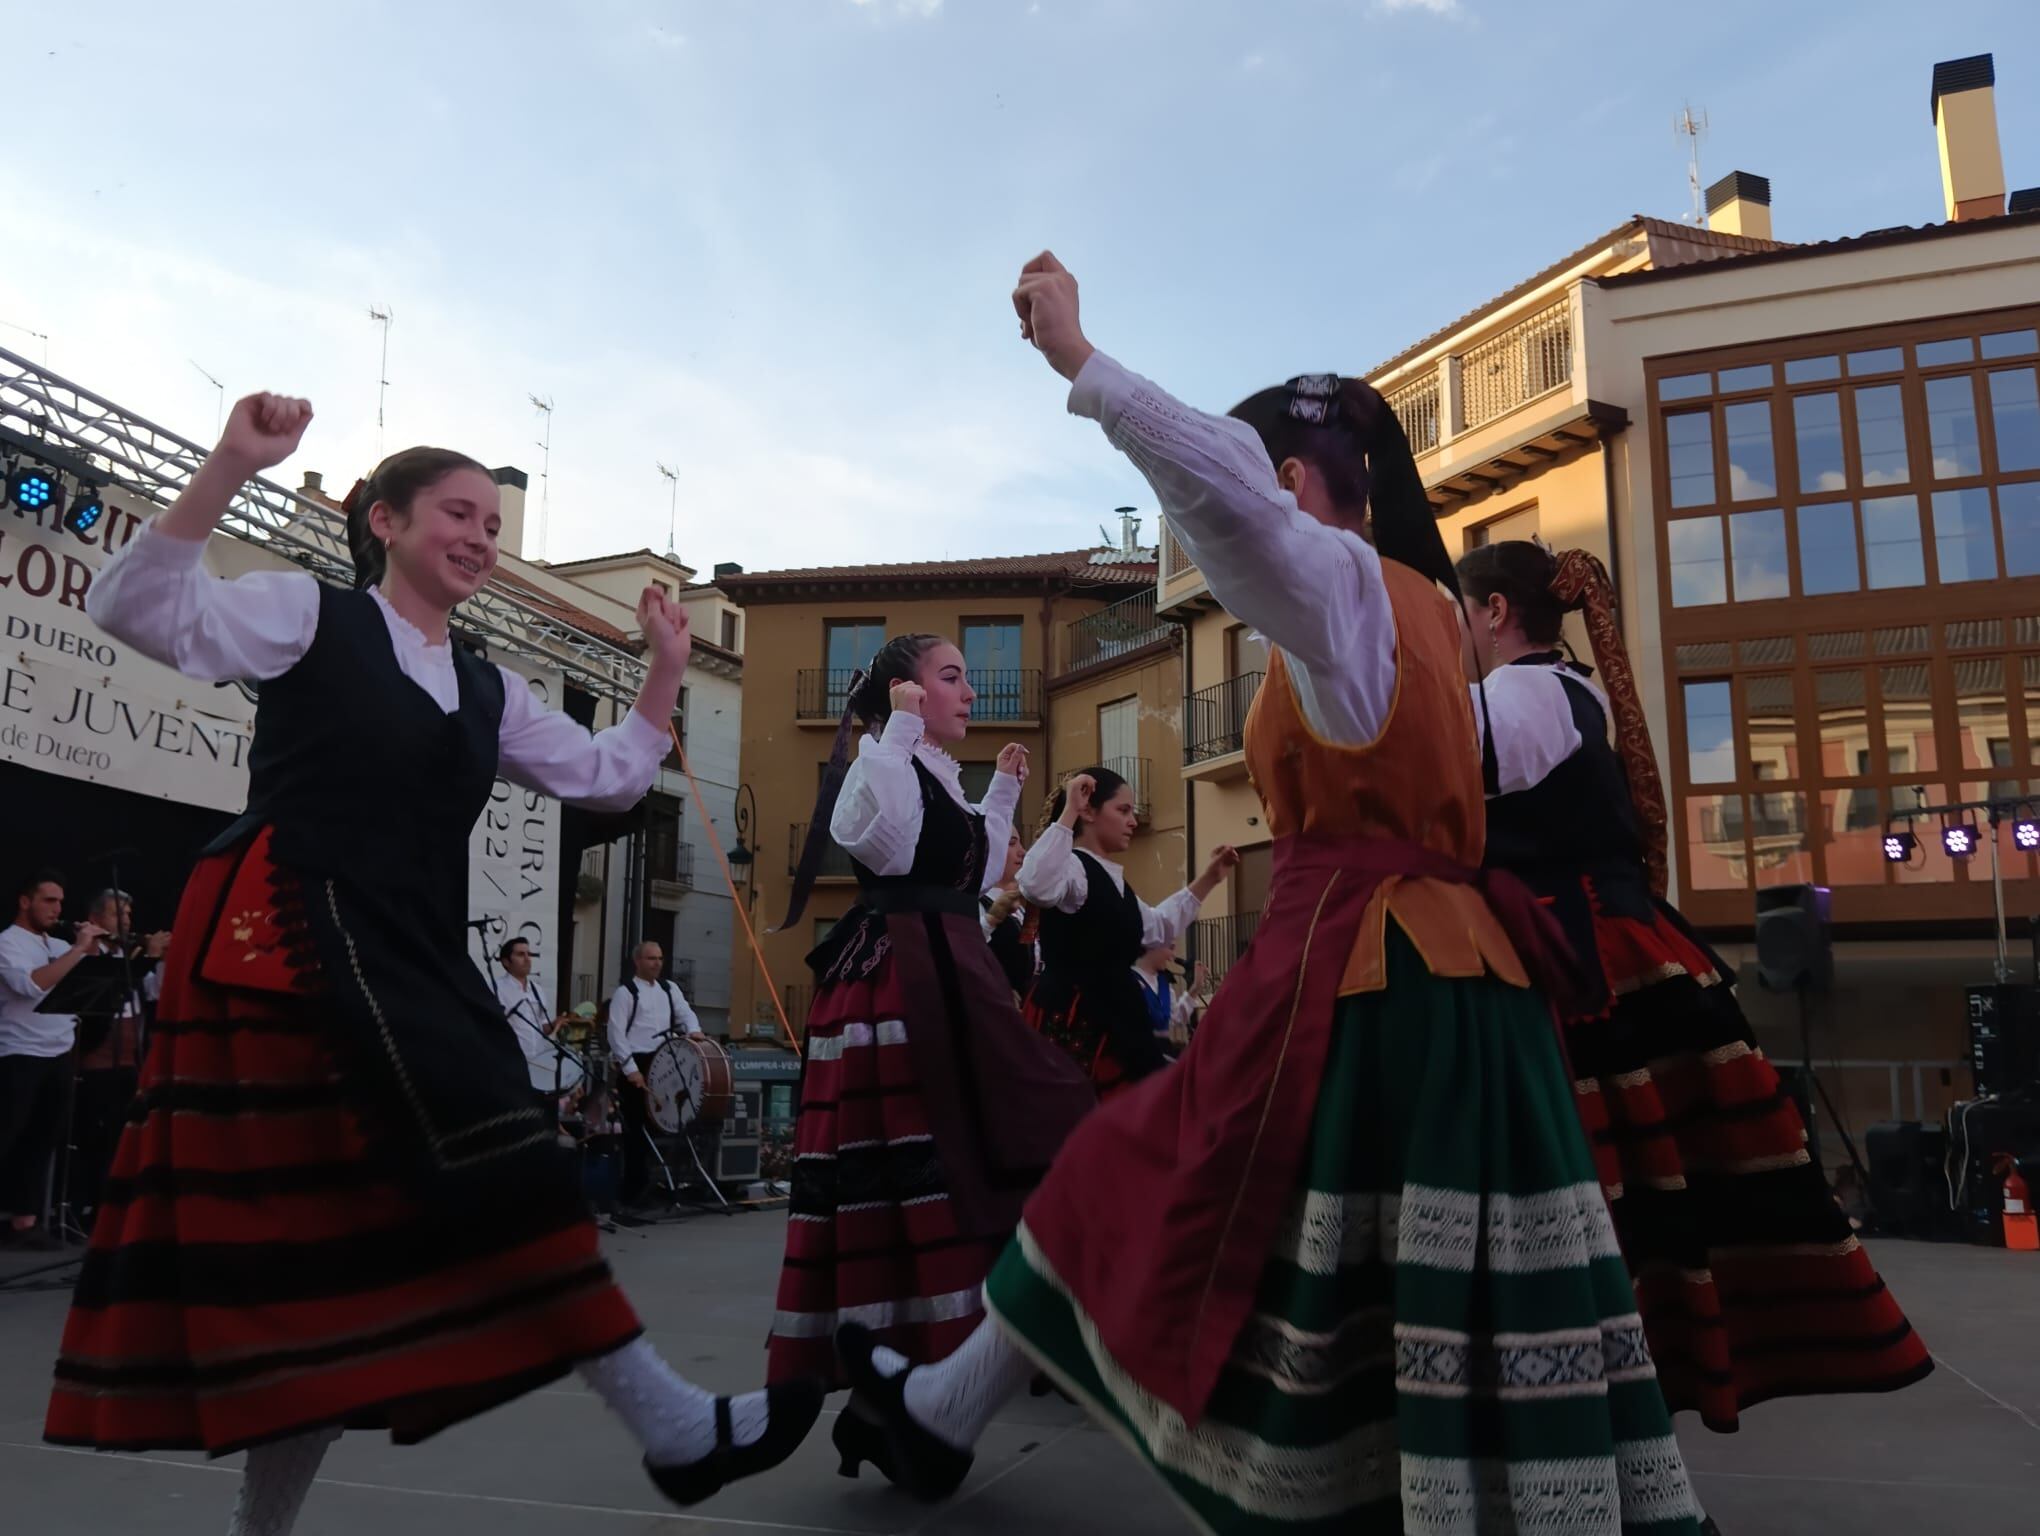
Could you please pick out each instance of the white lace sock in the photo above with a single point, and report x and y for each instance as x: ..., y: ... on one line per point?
x: 956, y: 1398
x: 672, y: 1418
x: 278, y: 1477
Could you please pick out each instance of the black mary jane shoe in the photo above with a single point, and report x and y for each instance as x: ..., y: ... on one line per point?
x: 858, y: 1440
x: 924, y: 1465
x: 791, y: 1408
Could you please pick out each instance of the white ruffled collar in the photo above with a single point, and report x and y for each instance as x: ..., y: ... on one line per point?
x: 403, y: 629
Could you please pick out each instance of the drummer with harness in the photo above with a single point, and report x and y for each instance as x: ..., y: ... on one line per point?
x: 646, y: 1009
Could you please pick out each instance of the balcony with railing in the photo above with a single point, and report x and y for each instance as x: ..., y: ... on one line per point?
x: 1007, y: 695
x: 1139, y: 773
x: 1416, y: 406
x: 1125, y: 626
x: 669, y: 863
x: 835, y: 864
x: 1214, y: 726
x: 1218, y: 942
x: 1531, y: 358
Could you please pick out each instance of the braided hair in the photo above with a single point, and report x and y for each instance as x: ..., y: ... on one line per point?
x: 396, y: 481
x: 1522, y: 571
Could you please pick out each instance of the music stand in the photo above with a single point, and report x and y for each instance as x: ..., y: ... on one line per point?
x: 97, y: 986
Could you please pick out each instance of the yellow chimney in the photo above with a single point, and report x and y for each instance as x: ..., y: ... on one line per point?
x: 1965, y: 122
x: 1740, y: 204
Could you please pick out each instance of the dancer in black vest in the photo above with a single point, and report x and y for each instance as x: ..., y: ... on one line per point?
x: 336, y: 1205
x: 1094, y: 927
x: 1006, y: 922
x: 1748, y: 1279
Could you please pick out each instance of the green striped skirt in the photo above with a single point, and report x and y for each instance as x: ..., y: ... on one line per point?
x: 1445, y: 1340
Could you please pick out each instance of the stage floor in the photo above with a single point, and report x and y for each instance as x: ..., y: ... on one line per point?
x: 1960, y: 1452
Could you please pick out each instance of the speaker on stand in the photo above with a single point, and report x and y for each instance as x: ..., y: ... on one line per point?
x: 1795, y: 953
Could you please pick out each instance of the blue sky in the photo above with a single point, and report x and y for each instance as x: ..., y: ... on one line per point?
x: 769, y: 241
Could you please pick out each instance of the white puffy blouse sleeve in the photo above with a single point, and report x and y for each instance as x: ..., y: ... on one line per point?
x: 542, y: 749
x: 1000, y: 804
x: 1533, y: 724
x: 877, y: 820
x: 1172, y: 919
x: 157, y: 596
x: 1052, y: 875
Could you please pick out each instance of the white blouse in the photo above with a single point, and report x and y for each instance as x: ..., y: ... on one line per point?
x: 877, y: 820
x: 157, y: 596
x: 1314, y: 591
x: 1053, y: 876
x: 1534, y: 730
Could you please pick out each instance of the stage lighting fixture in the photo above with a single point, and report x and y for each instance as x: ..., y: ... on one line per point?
x: 31, y: 487
x: 2026, y: 831
x: 83, y: 515
x: 1899, y: 847
x: 1960, y: 839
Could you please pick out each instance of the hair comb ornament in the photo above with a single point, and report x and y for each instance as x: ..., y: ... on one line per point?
x: 1314, y: 399
x: 353, y: 498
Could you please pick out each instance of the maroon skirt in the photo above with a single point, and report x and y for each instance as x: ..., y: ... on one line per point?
x: 257, y: 1269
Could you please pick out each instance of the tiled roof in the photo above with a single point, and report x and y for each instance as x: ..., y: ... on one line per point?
x: 1081, y: 566
x: 1902, y: 234
x: 565, y: 612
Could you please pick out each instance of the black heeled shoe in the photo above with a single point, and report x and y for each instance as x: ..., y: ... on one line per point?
x: 858, y: 1440
x: 791, y: 1408
x: 922, y: 1464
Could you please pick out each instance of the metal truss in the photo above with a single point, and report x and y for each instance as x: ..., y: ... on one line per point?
x: 154, y: 464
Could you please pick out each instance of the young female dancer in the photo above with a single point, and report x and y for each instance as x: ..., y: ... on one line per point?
x: 1006, y: 922
x: 336, y: 1204
x: 1749, y: 1281
x: 1094, y: 928
x: 1351, y: 1269
x: 928, y: 1109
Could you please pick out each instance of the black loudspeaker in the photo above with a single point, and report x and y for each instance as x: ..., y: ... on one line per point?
x: 1794, y: 949
x: 2004, y: 1038
x: 1908, y: 1185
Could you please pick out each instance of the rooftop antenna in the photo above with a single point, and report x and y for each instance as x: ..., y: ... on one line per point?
x: 220, y: 415
x: 380, y: 314
x: 672, y: 511
x: 1693, y: 129
x: 41, y: 336
x: 544, y: 406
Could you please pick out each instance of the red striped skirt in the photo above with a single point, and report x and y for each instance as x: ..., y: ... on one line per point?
x: 1081, y: 1040
x: 1749, y: 1279
x: 254, y: 1271
x: 871, y: 1236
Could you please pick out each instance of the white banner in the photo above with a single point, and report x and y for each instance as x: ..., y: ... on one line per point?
x: 513, y: 859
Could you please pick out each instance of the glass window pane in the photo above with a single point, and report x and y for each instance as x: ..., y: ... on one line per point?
x: 1958, y: 349
x: 1685, y: 387
x: 1811, y: 370
x: 1880, y: 434
x: 1752, y: 472
x: 2011, y: 343
x: 2019, y: 512
x: 2015, y: 414
x: 1817, y: 428
x: 1778, y: 836
x: 1714, y: 844
x: 1908, y: 718
x: 1827, y: 549
x: 1891, y: 542
x: 1962, y: 535
x: 2030, y: 665
x: 1758, y: 540
x: 1855, y: 835
x: 1844, y: 724
x: 1772, y: 729
x: 1981, y: 714
x: 1877, y: 360
x: 1710, y: 734
x: 1689, y: 442
x: 1951, y: 423
x: 1698, y: 573
x: 1757, y: 376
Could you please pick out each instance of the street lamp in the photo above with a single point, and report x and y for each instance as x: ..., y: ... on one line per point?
x: 742, y: 857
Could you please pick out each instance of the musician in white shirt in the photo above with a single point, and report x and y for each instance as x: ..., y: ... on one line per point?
x: 530, y: 1020
x: 645, y: 1009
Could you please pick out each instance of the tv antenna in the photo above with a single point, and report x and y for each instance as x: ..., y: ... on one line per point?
x: 1692, y: 129
x: 672, y: 510
x: 219, y: 416
x: 544, y: 406
x: 41, y: 336
x: 380, y: 314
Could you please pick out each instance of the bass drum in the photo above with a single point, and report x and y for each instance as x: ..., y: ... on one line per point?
x: 689, y: 1080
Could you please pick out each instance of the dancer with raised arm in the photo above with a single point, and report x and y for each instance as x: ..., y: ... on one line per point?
x: 336, y: 1204
x: 1750, y: 1282
x: 1351, y: 1269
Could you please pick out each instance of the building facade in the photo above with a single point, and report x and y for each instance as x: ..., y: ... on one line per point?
x: 1814, y: 471
x: 1049, y: 672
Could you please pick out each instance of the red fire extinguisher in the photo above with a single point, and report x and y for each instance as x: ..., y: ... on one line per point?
x: 2022, y: 1227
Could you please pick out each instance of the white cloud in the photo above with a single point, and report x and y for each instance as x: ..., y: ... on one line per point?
x: 1435, y: 7
x: 925, y: 9
x: 1253, y: 61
